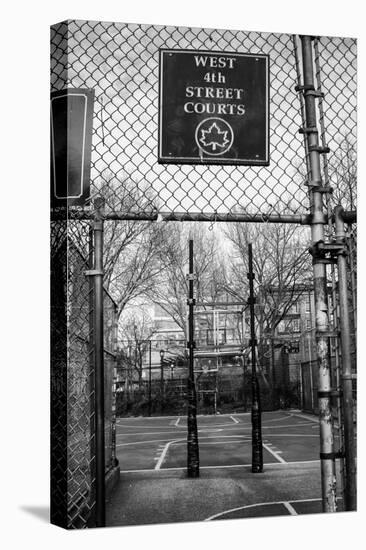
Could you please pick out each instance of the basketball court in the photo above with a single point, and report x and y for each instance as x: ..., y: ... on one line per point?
x: 154, y: 487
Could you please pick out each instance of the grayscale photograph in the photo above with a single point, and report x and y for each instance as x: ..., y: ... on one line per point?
x: 203, y: 211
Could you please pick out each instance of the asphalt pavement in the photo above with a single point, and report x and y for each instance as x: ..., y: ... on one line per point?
x: 154, y: 487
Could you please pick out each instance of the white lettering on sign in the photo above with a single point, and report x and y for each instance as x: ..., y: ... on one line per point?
x: 214, y: 62
x: 214, y: 108
x: 207, y: 92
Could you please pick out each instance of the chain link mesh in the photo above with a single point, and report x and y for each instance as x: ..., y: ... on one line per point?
x: 120, y: 63
x: 72, y: 376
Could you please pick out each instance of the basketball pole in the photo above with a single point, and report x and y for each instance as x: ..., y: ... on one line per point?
x: 257, y: 449
x: 192, y: 435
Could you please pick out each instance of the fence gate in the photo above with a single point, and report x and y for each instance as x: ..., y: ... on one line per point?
x: 312, y: 135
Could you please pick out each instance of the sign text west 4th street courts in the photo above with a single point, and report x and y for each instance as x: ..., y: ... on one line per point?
x: 214, y: 108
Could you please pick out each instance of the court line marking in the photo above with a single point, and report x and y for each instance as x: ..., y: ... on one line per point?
x: 177, y: 422
x: 309, y: 418
x: 290, y: 508
x: 200, y: 426
x: 231, y: 428
x: 263, y: 504
x: 173, y: 468
x: 244, y: 437
x: 274, y: 453
x: 234, y: 420
x: 294, y: 435
x: 164, y: 452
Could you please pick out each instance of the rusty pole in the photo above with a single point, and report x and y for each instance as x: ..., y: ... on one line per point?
x: 318, y: 221
x: 349, y: 436
x: 193, y: 463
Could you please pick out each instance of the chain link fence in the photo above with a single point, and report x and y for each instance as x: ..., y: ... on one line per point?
x: 72, y: 377
x: 120, y: 63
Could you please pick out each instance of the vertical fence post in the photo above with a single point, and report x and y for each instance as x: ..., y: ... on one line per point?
x: 91, y: 521
x: 318, y: 221
x: 161, y: 381
x: 150, y: 377
x: 114, y: 386
x: 346, y: 374
x: 192, y: 437
x: 99, y: 364
x: 257, y: 448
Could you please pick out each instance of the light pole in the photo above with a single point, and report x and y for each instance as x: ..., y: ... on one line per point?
x: 162, y: 353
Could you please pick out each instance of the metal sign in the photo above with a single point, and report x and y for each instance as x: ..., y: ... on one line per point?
x: 214, y: 108
x: 71, y: 137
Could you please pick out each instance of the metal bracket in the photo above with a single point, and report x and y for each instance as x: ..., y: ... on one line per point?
x: 251, y: 276
x: 328, y: 394
x: 331, y: 456
x: 251, y: 301
x: 315, y: 93
x: 327, y: 252
x: 190, y: 277
x: 310, y: 130
x: 191, y: 345
x: 304, y: 87
x: 309, y: 89
x: 93, y: 272
x: 191, y: 302
x: 314, y: 186
x: 349, y: 376
x: 318, y: 149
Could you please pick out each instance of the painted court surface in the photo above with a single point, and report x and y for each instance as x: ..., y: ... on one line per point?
x: 154, y: 487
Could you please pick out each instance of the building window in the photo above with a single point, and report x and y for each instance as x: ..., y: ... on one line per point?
x: 308, y: 324
x: 307, y: 303
x: 282, y: 327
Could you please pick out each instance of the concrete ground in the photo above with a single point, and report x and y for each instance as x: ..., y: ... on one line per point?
x: 154, y: 487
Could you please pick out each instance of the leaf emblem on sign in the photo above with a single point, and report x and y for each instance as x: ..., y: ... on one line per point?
x: 214, y: 137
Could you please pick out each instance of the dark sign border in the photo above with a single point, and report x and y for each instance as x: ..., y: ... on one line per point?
x: 206, y: 160
x: 85, y: 160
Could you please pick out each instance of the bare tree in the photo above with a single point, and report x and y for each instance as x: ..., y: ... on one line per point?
x: 136, y: 330
x: 131, y: 248
x: 343, y: 172
x: 281, y: 264
x: 172, y: 291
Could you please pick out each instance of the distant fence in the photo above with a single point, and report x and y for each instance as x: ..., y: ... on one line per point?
x: 216, y: 392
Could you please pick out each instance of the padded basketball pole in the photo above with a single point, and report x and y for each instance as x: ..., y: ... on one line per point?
x: 257, y: 449
x: 192, y: 436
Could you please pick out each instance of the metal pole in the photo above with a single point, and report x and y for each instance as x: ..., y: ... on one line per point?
x: 149, y: 377
x: 244, y: 382
x: 91, y: 388
x: 161, y: 380
x: 257, y: 449
x: 99, y: 366
x: 114, y: 387
x: 349, y: 441
x: 318, y: 220
x: 192, y: 437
